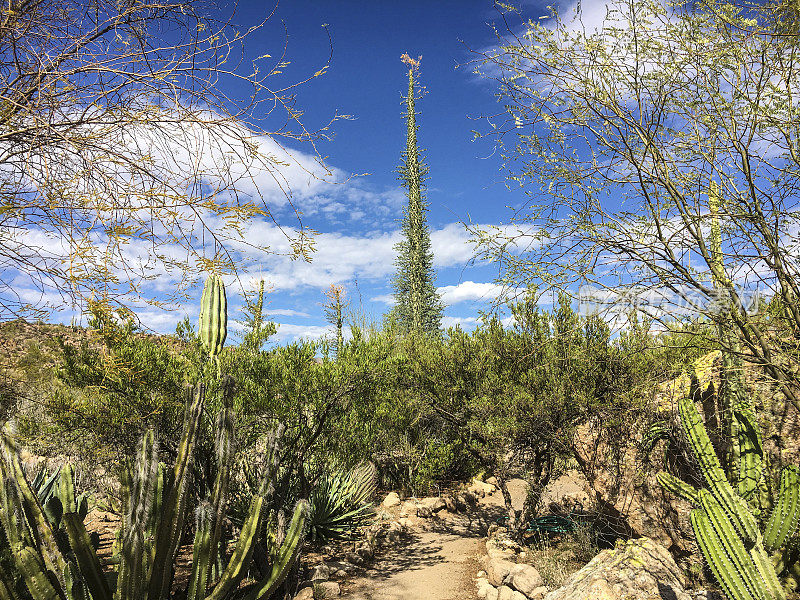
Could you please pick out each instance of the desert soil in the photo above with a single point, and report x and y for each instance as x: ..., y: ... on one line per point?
x: 439, y: 560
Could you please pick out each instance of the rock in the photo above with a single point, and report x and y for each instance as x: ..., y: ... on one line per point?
x: 567, y: 494
x: 455, y: 504
x: 326, y: 589
x: 480, y: 488
x: 467, y: 498
x: 391, y: 500
x: 485, y: 588
x: 365, y: 551
x: 486, y: 591
x: 497, y: 569
x: 496, y: 551
x: 320, y: 572
x: 405, y: 523
x: 492, y: 481
x: 409, y: 508
x: 433, y: 504
x: 423, y: 512
x: 354, y: 558
x: 506, y: 593
x: 639, y: 569
x: 538, y: 593
x: 523, y: 578
x: 307, y: 593
x: 481, y: 574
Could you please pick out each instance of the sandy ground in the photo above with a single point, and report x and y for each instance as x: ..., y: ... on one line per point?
x: 438, y: 564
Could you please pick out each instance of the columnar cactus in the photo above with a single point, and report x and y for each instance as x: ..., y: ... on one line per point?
x: 213, y: 315
x: 747, y: 563
x: 155, y: 511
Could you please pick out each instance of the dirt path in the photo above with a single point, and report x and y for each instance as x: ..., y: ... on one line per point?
x: 438, y: 562
x: 435, y: 566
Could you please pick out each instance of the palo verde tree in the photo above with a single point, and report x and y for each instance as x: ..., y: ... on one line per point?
x: 418, y: 308
x: 122, y: 154
x: 644, y: 134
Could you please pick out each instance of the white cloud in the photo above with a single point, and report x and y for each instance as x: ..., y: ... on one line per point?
x: 467, y: 291
x: 385, y: 299
x: 289, y: 332
x: 285, y: 312
x: 463, y: 322
x: 340, y: 257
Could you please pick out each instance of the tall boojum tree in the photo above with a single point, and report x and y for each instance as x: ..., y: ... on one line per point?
x: 419, y: 308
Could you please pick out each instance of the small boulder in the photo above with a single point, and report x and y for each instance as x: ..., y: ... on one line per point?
x: 637, y: 569
x: 307, y: 593
x: 492, y: 481
x: 497, y: 569
x: 480, y: 488
x: 365, y: 551
x: 468, y: 498
x: 321, y: 572
x: 391, y: 500
x: 539, y: 593
x: 486, y: 591
x: 423, y: 512
x: 433, y: 504
x: 506, y: 593
x: 455, y: 504
x: 523, y: 578
x: 326, y: 589
x: 408, y: 509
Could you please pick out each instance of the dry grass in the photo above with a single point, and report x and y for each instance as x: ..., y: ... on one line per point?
x: 559, y: 557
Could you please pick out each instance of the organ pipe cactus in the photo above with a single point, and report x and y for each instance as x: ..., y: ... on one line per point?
x: 213, y: 315
x: 155, y: 509
x: 748, y: 563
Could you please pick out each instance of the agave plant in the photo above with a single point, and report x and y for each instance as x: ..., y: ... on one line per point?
x: 342, y: 501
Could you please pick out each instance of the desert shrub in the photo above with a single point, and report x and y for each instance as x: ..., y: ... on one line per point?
x: 109, y: 390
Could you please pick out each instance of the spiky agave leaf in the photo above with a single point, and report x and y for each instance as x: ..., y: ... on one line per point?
x: 341, y: 502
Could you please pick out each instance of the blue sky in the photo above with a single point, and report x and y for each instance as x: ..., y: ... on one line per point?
x: 359, y: 219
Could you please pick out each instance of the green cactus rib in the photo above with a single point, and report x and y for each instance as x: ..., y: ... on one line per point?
x: 88, y: 563
x: 174, y: 508
x: 731, y: 551
x: 224, y: 451
x: 35, y: 574
x: 750, y: 452
x: 734, y: 506
x: 130, y: 577
x: 678, y: 487
x: 6, y: 589
x: 766, y: 571
x: 213, y: 315
x: 135, y: 561
x: 243, y: 552
x: 783, y: 521
x: 28, y: 503
x: 66, y: 489
x: 287, y: 555
x: 76, y: 588
x: 201, y: 554
x: 727, y: 575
